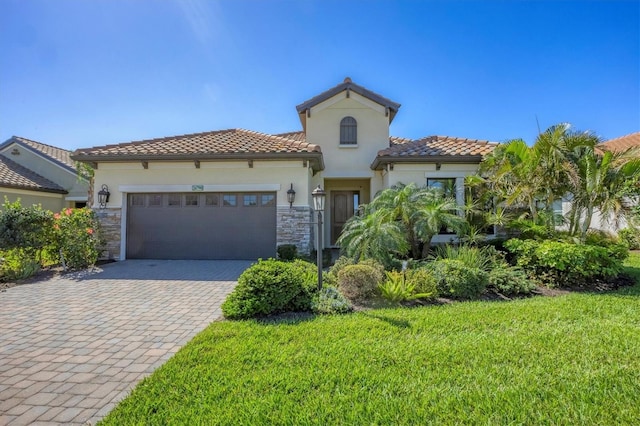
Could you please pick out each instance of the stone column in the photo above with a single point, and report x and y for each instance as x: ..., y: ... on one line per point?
x: 110, y: 223
x: 293, y: 226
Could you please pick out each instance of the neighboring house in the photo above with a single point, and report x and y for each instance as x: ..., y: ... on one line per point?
x: 37, y: 173
x: 609, y: 224
x: 223, y: 194
x: 622, y: 143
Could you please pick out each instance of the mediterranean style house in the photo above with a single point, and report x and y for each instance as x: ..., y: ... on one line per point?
x: 38, y: 173
x: 223, y: 194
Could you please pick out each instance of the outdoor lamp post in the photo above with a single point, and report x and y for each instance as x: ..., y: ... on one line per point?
x: 318, y: 195
x: 103, y: 196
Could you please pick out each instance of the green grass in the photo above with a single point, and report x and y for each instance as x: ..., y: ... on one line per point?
x: 572, y: 359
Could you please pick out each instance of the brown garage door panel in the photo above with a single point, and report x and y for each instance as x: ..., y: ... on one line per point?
x: 201, y: 232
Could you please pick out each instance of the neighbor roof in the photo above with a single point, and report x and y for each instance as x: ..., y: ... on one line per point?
x: 347, y: 84
x: 433, y: 149
x: 622, y: 143
x: 229, y: 144
x: 59, y: 156
x: 13, y: 175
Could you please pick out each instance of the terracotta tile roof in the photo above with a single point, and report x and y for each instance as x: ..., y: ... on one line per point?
x: 59, y: 156
x: 622, y: 143
x: 299, y: 136
x: 433, y: 149
x: 222, y: 144
x: 13, y: 175
x: 348, y: 85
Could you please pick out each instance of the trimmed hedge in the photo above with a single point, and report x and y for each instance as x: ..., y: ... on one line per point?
x: 271, y: 286
x: 567, y: 264
x: 359, y: 282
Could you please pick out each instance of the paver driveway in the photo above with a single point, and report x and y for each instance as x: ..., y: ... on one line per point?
x: 71, y: 347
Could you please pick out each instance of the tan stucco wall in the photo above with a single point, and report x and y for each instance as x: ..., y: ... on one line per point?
x: 48, y: 201
x: 65, y: 178
x: 323, y: 128
x: 159, y: 175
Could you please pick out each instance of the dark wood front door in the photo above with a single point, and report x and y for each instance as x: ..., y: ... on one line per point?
x: 343, y: 205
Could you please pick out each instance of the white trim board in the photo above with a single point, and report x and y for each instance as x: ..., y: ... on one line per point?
x: 205, y: 188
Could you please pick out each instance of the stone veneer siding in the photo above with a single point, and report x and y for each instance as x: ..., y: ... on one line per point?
x: 293, y: 226
x: 110, y: 220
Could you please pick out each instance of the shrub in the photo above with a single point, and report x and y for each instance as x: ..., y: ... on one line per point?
x: 77, y: 237
x: 425, y: 285
x: 358, y: 282
x: 374, y: 264
x: 287, y: 252
x: 26, y: 228
x: 17, y: 264
x: 267, y: 287
x: 510, y: 281
x: 331, y: 277
x: 302, y: 300
x: 456, y: 280
x: 330, y: 301
x: 565, y: 263
x: 630, y: 236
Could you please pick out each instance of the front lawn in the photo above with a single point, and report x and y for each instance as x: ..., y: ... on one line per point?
x: 573, y: 359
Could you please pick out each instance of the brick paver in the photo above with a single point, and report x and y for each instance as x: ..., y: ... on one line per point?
x: 72, y: 346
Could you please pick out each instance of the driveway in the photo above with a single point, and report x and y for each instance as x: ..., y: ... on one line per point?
x: 73, y: 346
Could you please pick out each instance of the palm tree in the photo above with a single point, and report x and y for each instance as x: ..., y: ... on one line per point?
x: 372, y: 236
x: 399, y: 220
x: 603, y: 183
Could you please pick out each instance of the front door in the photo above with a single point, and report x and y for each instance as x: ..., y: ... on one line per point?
x: 343, y: 205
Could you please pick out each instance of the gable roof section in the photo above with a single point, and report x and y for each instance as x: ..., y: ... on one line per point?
x: 622, y: 143
x: 13, y: 175
x: 232, y: 144
x: 433, y: 149
x: 348, y: 85
x: 58, y: 156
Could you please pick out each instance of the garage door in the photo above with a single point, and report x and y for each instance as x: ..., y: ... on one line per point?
x: 201, y: 225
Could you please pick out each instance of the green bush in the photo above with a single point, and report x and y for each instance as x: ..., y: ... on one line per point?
x: 17, y: 264
x: 557, y: 263
x: 268, y: 287
x: 77, y: 237
x: 630, y: 236
x: 27, y: 228
x: 510, y: 280
x: 287, y: 252
x: 330, y: 301
x: 425, y: 285
x: 331, y: 277
x: 456, y: 280
x: 302, y: 300
x: 359, y: 282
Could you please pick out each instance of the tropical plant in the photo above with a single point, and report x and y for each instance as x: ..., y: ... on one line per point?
x: 400, y: 220
x: 77, y: 238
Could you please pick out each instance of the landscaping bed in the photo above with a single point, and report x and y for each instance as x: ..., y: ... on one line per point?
x: 572, y: 359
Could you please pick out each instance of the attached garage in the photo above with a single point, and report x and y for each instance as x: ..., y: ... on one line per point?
x: 201, y: 225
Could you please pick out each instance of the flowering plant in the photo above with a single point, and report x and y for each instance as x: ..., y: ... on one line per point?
x: 77, y: 237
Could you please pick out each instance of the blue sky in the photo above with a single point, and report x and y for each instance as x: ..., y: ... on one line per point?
x: 84, y: 73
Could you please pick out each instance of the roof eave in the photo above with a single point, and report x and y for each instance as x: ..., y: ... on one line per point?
x: 426, y: 159
x: 14, y: 139
x: 30, y: 188
x: 315, y: 157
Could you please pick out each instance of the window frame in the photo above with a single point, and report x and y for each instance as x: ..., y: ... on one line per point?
x: 348, y: 131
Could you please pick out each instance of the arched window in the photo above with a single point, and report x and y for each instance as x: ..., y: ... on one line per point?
x: 348, y: 131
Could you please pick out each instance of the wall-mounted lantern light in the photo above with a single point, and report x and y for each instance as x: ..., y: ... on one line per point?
x: 291, y: 196
x: 103, y: 196
x: 318, y: 196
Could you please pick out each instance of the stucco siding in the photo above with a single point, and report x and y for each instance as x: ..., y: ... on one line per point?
x: 323, y: 128
x: 48, y: 201
x: 162, y: 174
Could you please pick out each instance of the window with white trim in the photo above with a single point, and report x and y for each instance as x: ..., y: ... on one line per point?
x: 348, y: 131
